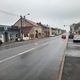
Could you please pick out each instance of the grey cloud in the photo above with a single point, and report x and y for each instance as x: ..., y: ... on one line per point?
x: 56, y: 12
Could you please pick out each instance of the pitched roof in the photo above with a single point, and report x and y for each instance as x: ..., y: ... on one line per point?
x: 8, y: 28
x: 5, y: 26
x: 44, y: 26
x: 31, y: 22
x: 27, y: 29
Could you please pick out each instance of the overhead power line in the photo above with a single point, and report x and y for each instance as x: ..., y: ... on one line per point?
x: 8, y: 13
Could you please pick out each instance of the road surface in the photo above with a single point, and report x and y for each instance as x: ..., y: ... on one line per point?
x: 39, y: 60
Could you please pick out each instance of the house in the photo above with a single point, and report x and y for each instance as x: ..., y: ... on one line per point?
x: 52, y: 31
x: 56, y: 31
x: 75, y: 28
x: 29, y: 29
x: 60, y: 31
x: 8, y: 33
x: 72, y: 29
x: 45, y: 30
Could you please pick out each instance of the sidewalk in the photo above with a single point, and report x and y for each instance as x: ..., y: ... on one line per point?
x: 71, y: 67
x: 10, y: 43
x: 71, y: 70
x: 17, y: 44
x: 7, y: 43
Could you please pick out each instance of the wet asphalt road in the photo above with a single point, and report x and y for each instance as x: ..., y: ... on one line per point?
x: 17, y: 44
x: 39, y: 60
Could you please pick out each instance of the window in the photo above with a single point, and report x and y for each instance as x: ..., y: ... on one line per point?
x: 0, y: 36
x: 11, y: 37
x: 25, y: 35
x: 16, y: 35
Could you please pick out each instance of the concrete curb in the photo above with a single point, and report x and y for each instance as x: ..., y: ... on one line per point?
x: 61, y: 68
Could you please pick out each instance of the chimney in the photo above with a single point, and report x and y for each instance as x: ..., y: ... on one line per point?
x: 21, y: 17
x: 24, y: 17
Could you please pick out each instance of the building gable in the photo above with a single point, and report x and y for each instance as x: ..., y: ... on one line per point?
x: 24, y: 23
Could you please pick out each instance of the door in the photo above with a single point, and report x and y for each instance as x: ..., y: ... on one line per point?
x: 6, y: 36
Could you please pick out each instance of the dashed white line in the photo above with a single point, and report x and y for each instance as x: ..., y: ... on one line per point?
x: 35, y: 43
x: 6, y: 59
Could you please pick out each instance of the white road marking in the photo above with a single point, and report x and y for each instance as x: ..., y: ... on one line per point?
x: 35, y: 43
x: 6, y: 59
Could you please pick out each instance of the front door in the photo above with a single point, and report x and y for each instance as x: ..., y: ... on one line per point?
x: 6, y: 36
x: 36, y: 34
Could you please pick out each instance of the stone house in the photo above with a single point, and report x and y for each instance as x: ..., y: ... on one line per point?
x: 29, y: 29
x: 45, y: 30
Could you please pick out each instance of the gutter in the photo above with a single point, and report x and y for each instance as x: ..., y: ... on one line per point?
x: 59, y: 77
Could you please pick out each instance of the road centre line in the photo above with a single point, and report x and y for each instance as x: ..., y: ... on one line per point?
x: 6, y: 59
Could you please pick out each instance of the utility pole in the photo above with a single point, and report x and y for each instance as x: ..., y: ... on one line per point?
x: 21, y: 26
x: 21, y: 33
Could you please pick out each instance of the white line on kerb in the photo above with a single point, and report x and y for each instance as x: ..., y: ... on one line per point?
x: 6, y: 59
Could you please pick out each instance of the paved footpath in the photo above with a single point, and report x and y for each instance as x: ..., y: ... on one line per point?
x: 17, y: 44
x: 71, y: 69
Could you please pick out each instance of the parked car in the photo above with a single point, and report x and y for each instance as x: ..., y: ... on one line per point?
x: 63, y: 36
x: 19, y: 39
x: 52, y: 35
x: 76, y: 38
x: 16, y: 39
x: 71, y: 36
x: 0, y: 42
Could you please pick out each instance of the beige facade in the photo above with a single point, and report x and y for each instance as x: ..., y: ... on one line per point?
x: 25, y: 23
x: 45, y: 30
x: 30, y: 29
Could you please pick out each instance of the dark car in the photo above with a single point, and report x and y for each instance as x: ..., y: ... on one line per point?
x: 0, y: 42
x: 63, y: 36
x: 71, y: 36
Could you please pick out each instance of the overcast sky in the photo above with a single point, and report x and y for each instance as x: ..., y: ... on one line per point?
x: 53, y: 12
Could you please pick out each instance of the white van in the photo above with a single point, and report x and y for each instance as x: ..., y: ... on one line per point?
x: 76, y: 38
